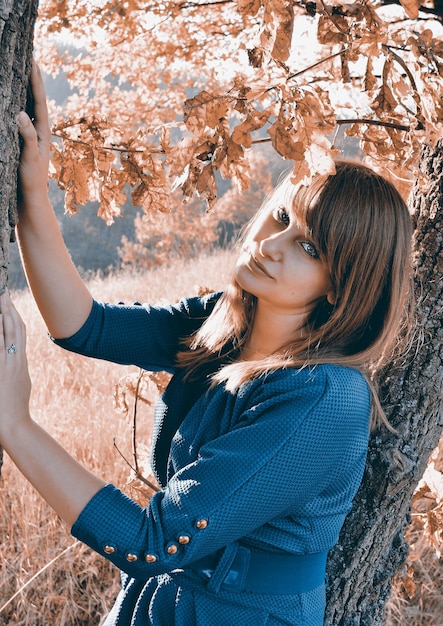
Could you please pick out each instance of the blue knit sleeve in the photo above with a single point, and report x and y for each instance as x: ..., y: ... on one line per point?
x: 295, y: 449
x: 142, y: 335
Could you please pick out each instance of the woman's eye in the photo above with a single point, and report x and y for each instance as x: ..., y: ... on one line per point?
x: 282, y: 216
x: 310, y: 249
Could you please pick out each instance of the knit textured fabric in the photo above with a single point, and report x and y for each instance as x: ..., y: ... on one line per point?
x: 273, y: 467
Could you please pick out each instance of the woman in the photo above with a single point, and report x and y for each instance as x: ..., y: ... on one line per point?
x: 260, y: 438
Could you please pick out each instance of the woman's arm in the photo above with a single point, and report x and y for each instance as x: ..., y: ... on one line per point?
x: 65, y: 484
x: 63, y: 299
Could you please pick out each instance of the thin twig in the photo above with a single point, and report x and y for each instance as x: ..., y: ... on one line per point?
x: 137, y: 474
x: 320, y: 62
x: 134, y: 423
x: 408, y: 73
x: 66, y: 137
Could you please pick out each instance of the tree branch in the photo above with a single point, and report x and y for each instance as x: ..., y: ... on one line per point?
x: 320, y: 62
x: 352, y: 121
x: 197, y: 5
x: 374, y: 123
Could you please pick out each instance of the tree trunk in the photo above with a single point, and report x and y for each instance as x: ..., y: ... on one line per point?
x: 372, y: 546
x: 17, y: 18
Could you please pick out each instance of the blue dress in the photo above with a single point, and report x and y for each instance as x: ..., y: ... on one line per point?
x: 268, y: 471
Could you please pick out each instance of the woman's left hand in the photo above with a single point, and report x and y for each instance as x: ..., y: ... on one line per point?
x: 15, y: 383
x: 65, y: 484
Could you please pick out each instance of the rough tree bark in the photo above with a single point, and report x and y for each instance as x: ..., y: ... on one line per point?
x: 17, y: 18
x: 372, y: 547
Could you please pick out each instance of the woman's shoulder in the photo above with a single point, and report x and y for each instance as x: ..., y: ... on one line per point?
x: 319, y: 374
x: 331, y: 395
x: 195, y: 305
x: 322, y: 384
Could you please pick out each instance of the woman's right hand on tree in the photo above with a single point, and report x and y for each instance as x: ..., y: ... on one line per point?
x: 34, y: 160
x: 63, y: 299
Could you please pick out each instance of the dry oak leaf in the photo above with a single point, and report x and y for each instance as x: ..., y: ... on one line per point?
x: 204, y: 110
x: 150, y: 188
x: 180, y: 155
x: 301, y: 173
x: 248, y: 7
x: 276, y: 35
x: 319, y: 155
x: 74, y: 166
x: 150, y: 197
x: 103, y: 159
x: 329, y: 31
x: 111, y: 200
x: 236, y: 165
x: 370, y: 79
x: 409, y: 585
x: 411, y: 7
x: 206, y: 186
x: 284, y: 144
x: 384, y: 100
x: 202, y: 180
x: 255, y: 120
x: 241, y: 103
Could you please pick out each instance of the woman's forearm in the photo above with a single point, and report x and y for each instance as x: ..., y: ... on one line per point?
x: 65, y: 484
x: 62, y: 297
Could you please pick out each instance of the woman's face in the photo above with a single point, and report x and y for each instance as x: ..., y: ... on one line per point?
x: 280, y: 265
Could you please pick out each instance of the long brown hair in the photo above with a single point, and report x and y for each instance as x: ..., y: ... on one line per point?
x: 362, y: 230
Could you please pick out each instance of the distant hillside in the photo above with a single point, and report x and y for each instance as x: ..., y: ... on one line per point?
x: 91, y: 243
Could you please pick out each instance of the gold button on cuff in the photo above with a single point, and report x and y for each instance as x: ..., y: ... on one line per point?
x: 109, y: 549
x: 202, y: 523
x: 184, y: 539
x: 172, y: 549
x: 150, y: 558
x: 131, y: 557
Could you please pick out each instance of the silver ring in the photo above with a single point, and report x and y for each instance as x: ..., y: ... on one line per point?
x: 12, y: 349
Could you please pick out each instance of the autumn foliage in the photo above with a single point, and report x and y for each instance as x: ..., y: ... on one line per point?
x: 176, y: 94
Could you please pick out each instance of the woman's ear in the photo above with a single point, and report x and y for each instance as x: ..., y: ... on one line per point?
x: 330, y: 297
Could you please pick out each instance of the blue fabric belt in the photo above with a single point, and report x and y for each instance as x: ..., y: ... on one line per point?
x: 260, y: 572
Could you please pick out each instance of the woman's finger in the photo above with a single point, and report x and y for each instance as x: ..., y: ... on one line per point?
x: 34, y: 158
x: 19, y: 328
x: 36, y: 136
x: 29, y: 134
x: 2, y: 338
x: 9, y: 326
x: 15, y: 382
x: 40, y: 107
x: 14, y: 330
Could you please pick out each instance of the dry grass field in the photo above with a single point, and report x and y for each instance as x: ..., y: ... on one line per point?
x: 46, y: 577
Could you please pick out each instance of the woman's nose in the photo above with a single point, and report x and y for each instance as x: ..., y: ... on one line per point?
x: 273, y: 246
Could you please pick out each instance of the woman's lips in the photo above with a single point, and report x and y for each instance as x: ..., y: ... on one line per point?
x: 256, y: 265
